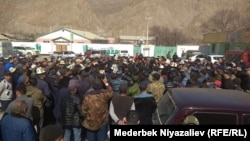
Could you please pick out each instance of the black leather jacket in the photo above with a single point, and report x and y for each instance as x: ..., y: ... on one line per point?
x: 71, y: 111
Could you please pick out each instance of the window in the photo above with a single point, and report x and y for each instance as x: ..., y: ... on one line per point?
x: 19, y: 48
x: 165, y: 108
x: 216, y: 118
x: 30, y: 48
x: 227, y: 47
x: 200, y: 56
x: 213, y: 48
x: 237, y: 57
x: 124, y: 51
x: 216, y: 58
x: 246, y: 119
x: 95, y: 52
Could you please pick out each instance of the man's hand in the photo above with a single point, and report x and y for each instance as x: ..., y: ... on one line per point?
x: 105, y: 80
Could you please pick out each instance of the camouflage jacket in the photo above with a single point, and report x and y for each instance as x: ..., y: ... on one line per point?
x: 95, y: 108
x: 157, y: 89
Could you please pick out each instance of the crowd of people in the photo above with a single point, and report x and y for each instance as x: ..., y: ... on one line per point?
x: 79, y: 98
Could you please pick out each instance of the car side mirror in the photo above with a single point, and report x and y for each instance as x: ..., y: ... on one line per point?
x: 191, y: 120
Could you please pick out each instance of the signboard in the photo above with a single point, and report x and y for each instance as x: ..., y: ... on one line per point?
x: 146, y: 47
x: 112, y: 52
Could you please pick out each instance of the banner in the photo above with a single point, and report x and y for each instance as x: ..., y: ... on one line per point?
x: 170, y: 132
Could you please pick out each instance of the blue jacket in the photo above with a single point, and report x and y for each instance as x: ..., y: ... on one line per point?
x: 116, y: 83
x: 8, y: 65
x: 17, y: 128
x: 61, y: 93
x: 44, y: 87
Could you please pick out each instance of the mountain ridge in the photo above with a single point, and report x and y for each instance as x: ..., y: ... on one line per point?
x: 112, y: 18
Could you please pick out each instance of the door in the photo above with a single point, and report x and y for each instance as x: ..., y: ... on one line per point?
x: 60, y: 48
x: 146, y: 52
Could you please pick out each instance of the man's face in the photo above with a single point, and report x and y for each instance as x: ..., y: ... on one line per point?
x: 238, y: 68
x: 226, y: 76
x: 8, y: 78
x: 248, y: 72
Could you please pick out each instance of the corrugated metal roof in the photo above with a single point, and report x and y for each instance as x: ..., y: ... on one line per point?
x: 86, y: 34
x: 3, y: 37
x: 136, y: 37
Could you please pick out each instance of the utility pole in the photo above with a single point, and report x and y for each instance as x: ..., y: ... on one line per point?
x: 147, y: 18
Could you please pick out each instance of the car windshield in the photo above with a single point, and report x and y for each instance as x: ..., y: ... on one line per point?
x: 96, y: 52
x: 217, y: 58
x: 70, y: 52
x: 30, y: 48
x: 165, y: 108
x: 124, y: 51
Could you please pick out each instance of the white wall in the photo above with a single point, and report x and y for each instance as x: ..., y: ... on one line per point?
x: 49, y: 48
x: 46, y: 48
x: 128, y: 47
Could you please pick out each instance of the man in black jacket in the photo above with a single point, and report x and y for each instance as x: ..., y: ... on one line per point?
x: 145, y: 105
x: 71, y: 112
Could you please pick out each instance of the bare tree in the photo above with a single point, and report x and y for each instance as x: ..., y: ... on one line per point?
x: 224, y: 20
x: 165, y: 36
x: 3, y: 5
x: 161, y: 34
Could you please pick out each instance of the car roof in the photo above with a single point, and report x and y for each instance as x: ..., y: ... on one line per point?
x: 211, y: 98
x: 216, y: 55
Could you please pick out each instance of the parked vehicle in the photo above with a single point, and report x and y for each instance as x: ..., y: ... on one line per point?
x: 189, y: 53
x: 18, y: 54
x: 63, y: 55
x: 95, y: 53
x: 124, y: 53
x: 201, y: 57
x: 6, y: 49
x: 237, y: 55
x: 215, y: 58
x: 209, y: 106
x: 30, y: 51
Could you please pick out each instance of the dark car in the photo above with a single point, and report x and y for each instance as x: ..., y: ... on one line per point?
x: 18, y: 53
x: 95, y: 53
x: 208, y: 106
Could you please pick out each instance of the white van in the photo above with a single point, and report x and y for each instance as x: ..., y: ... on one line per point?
x: 215, y: 58
x: 124, y: 53
x: 30, y: 51
x: 6, y: 49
